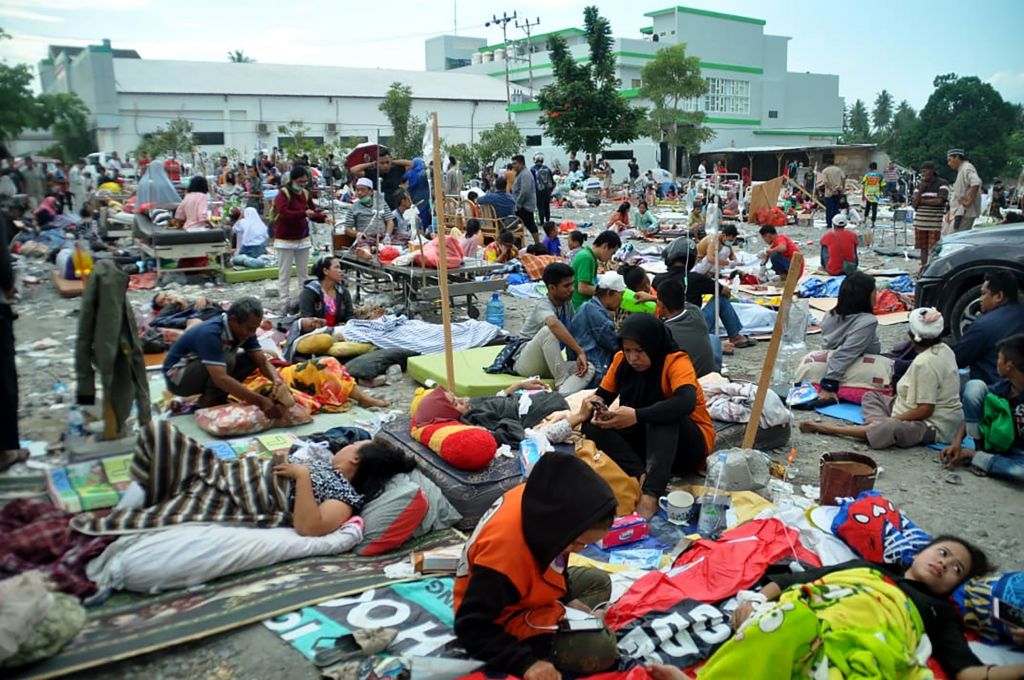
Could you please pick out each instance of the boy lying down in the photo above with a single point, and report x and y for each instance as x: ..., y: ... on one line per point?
x: 857, y: 619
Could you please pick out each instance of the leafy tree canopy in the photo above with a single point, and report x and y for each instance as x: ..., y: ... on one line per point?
x: 406, y: 129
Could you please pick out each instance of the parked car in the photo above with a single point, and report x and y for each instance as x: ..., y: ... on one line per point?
x: 951, y: 281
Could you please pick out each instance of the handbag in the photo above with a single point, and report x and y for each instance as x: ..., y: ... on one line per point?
x: 625, y: 488
x: 506, y: 359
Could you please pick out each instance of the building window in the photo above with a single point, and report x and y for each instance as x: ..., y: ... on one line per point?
x: 287, y: 141
x: 772, y: 113
x: 724, y: 96
x: 533, y: 140
x: 617, y: 154
x: 636, y: 83
x: 208, y: 138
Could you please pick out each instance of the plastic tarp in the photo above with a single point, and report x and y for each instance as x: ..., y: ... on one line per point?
x: 155, y: 187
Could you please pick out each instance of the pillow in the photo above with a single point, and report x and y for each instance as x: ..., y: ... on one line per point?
x: 315, y: 343
x: 441, y: 514
x: 232, y: 420
x: 974, y: 600
x: 870, y: 371
x: 390, y: 519
x: 877, y: 531
x: 466, y: 447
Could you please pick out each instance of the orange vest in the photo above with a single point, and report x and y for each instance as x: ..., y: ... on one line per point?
x: 498, y: 543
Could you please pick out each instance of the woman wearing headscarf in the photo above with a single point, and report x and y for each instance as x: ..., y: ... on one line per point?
x: 662, y: 424
x: 926, y: 407
x: 251, y: 234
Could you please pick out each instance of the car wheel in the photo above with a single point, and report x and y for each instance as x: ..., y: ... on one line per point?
x: 965, y: 311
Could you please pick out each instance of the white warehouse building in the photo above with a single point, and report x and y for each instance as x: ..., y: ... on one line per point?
x: 241, y: 106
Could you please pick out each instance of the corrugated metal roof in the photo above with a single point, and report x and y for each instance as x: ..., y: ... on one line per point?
x: 191, y: 77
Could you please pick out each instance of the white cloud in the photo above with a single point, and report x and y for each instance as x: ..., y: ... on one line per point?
x: 1010, y: 84
x: 28, y: 15
x: 73, y: 5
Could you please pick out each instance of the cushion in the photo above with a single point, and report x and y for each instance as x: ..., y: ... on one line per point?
x: 467, y: 447
x: 390, y: 519
x: 470, y: 378
x: 974, y: 600
x: 877, y: 531
x: 232, y: 420
x: 871, y: 371
x: 314, y: 344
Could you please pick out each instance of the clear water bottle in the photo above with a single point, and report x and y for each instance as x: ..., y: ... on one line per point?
x: 496, y: 311
x: 76, y: 424
x: 387, y: 240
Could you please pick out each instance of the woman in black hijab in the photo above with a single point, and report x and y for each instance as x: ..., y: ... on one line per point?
x: 661, y: 425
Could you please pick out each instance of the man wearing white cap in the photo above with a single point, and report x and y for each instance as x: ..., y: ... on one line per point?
x: 360, y: 218
x: 593, y: 325
x: 965, y: 203
x: 926, y: 407
x: 839, y: 248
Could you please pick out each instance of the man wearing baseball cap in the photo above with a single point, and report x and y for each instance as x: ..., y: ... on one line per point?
x: 965, y: 203
x: 839, y: 248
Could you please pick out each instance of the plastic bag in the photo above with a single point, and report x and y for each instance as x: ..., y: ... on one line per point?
x: 745, y: 469
x: 232, y: 420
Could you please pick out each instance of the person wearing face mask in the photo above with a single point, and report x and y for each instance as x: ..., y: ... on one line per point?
x: 293, y: 209
x: 360, y: 218
x: 706, y: 255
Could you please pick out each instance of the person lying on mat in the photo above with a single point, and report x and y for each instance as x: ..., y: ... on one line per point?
x: 512, y: 585
x: 849, y: 331
x: 661, y: 425
x: 865, y: 619
x: 926, y: 407
x: 206, y: 359
x: 546, y: 332
x: 501, y: 414
x: 325, y: 296
x: 1006, y: 459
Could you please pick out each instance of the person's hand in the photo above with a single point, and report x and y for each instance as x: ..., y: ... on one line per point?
x: 618, y: 418
x: 660, y: 671
x: 531, y: 384
x: 291, y: 470
x: 826, y: 394
x: 310, y: 213
x: 542, y: 670
x: 953, y: 455
x: 581, y: 364
x: 1016, y: 635
x: 741, y: 614
x: 270, y: 407
x: 964, y: 201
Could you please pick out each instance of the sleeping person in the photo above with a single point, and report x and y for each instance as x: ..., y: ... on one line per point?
x: 186, y: 482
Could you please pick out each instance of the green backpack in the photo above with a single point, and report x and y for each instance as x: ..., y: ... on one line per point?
x: 996, y: 426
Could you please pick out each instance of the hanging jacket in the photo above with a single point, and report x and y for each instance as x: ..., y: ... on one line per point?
x: 108, y: 344
x: 510, y: 583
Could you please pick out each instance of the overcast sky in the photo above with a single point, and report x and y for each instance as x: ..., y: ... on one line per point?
x: 900, y: 46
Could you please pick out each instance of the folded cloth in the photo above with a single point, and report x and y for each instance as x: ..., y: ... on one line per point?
x: 535, y: 264
x: 398, y: 332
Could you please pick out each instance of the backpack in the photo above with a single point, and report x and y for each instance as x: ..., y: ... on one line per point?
x: 272, y: 214
x: 543, y: 178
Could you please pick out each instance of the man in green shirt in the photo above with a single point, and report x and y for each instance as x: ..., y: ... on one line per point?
x: 584, y: 265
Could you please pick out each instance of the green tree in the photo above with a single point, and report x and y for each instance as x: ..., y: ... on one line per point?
x: 881, y: 114
x: 240, y: 57
x: 18, y: 107
x: 966, y: 113
x: 582, y: 109
x: 175, y: 139
x: 1015, y: 147
x: 297, y: 143
x: 669, y: 80
x: 68, y: 117
x: 501, y: 141
x: 406, y: 129
x: 857, y: 129
x: 904, y: 120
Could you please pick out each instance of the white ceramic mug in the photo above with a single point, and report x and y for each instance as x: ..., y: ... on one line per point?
x: 677, y: 506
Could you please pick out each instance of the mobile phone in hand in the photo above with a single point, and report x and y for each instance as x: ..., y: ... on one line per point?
x: 1007, y: 613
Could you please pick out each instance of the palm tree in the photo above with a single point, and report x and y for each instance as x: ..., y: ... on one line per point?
x: 239, y: 57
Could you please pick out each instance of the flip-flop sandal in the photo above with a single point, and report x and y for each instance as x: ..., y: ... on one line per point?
x: 741, y: 345
x: 817, y: 403
x: 358, y: 643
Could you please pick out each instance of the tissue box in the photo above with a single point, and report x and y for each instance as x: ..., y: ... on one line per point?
x: 625, y: 530
x: 529, y: 454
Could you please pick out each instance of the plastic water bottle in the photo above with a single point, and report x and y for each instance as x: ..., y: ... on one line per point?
x: 387, y: 240
x: 76, y: 424
x: 496, y: 311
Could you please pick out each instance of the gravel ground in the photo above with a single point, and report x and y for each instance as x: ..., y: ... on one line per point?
x: 912, y: 477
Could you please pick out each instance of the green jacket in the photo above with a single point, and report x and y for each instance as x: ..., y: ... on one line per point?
x: 108, y: 344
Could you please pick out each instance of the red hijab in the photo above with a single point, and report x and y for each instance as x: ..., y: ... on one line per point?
x: 435, y: 407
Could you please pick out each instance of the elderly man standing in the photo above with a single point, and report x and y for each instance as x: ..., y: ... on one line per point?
x: 965, y: 203
x: 525, y: 192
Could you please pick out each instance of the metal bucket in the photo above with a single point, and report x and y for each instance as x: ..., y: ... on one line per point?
x: 845, y: 473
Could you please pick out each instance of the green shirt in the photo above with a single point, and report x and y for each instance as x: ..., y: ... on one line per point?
x: 584, y: 267
x: 630, y: 304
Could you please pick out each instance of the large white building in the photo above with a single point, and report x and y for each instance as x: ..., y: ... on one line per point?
x: 242, y: 106
x: 754, y: 101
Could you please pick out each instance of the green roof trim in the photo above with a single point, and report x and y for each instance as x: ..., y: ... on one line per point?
x: 631, y: 93
x: 731, y: 67
x: 800, y: 133
x: 100, y: 48
x: 733, y: 121
x: 539, y: 36
x: 706, y: 13
x: 525, y: 106
x: 46, y: 62
x: 647, y: 30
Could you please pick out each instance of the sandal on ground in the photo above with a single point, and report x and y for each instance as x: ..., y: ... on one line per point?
x: 817, y: 403
x: 358, y: 643
x: 746, y: 343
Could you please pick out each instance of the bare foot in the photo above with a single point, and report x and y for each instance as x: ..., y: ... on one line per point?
x: 809, y: 426
x: 647, y: 506
x: 370, y: 402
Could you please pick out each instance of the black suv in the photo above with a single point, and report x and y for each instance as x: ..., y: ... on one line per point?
x: 951, y: 282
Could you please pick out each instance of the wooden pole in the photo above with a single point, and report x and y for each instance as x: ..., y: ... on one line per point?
x: 808, y: 193
x: 795, y: 266
x: 442, y: 265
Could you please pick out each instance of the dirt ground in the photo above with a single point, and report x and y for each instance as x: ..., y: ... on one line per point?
x: 987, y: 511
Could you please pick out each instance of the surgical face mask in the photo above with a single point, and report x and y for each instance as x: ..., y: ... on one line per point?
x: 366, y: 200
x: 728, y: 244
x: 297, y: 188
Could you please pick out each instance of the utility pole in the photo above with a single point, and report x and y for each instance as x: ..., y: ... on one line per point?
x: 526, y: 26
x: 504, y: 21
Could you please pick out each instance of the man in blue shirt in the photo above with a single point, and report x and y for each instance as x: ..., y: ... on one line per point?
x: 504, y: 204
x: 206, y: 359
x: 593, y: 324
x: 1002, y: 316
